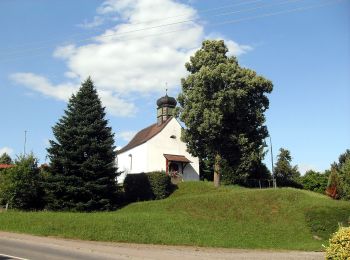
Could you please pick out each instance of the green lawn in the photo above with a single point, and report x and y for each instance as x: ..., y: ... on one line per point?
x: 198, y: 214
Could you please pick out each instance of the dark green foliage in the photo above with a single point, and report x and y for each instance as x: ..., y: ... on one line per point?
x: 339, y: 180
x: 286, y: 175
x: 206, y: 169
x: 222, y: 106
x: 82, y: 157
x: 259, y: 176
x: 315, y: 181
x: 147, y: 186
x: 342, y: 169
x: 21, y: 186
x: 137, y: 187
x: 345, y: 179
x: 5, y: 159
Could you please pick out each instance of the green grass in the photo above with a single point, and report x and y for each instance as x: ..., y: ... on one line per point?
x: 199, y: 214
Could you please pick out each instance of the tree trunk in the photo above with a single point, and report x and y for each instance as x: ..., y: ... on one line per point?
x: 217, y: 170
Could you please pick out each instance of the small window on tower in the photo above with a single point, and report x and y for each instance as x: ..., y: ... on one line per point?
x: 173, y: 137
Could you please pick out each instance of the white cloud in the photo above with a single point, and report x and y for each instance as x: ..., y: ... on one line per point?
x: 64, y: 52
x: 43, y: 86
x: 126, y: 135
x: 234, y: 49
x: 114, y: 104
x: 123, y: 63
x: 7, y: 150
x: 97, y: 21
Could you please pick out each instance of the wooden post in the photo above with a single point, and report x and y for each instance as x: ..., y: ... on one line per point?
x: 166, y: 166
x: 7, y: 206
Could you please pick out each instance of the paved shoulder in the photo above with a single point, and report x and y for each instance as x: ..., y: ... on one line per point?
x: 33, y: 247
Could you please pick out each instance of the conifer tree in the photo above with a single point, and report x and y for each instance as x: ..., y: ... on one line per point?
x: 285, y: 173
x: 82, y: 157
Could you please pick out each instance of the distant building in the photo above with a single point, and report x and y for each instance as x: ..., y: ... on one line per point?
x: 6, y: 166
x: 158, y: 147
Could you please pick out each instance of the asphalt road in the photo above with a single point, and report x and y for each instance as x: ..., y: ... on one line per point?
x: 33, y: 247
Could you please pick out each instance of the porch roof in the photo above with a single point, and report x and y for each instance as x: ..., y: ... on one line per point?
x: 177, y: 158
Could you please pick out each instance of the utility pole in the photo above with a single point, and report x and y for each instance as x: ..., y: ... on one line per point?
x: 273, y: 175
x: 25, y: 142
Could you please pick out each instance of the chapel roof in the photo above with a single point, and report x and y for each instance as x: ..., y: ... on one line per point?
x: 5, y: 166
x: 144, y: 135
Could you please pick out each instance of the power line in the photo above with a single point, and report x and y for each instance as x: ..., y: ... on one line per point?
x: 226, y: 22
x: 146, y: 22
x: 161, y: 26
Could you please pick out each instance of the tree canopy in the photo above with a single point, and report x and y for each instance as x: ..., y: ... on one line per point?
x: 222, y: 106
x: 21, y: 185
x: 5, y: 159
x: 82, y: 157
x: 339, y: 179
x: 284, y: 172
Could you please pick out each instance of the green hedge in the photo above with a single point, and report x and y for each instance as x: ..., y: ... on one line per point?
x: 147, y: 186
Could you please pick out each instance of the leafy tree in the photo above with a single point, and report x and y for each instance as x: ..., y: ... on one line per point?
x: 339, y: 180
x: 82, y: 157
x: 345, y: 178
x: 342, y: 159
x: 222, y: 106
x: 5, y: 159
x: 315, y: 181
x: 21, y: 186
x: 285, y: 173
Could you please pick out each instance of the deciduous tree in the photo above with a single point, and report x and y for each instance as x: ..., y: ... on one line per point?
x: 222, y: 106
x: 21, y: 186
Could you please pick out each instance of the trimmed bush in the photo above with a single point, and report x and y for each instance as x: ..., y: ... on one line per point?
x: 339, y: 245
x: 147, y: 186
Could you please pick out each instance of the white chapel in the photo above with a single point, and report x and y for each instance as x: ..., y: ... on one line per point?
x: 158, y: 147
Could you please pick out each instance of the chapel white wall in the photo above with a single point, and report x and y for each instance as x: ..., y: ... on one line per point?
x: 139, y: 161
x: 162, y: 144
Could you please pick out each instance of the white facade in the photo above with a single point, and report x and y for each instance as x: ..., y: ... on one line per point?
x: 149, y: 156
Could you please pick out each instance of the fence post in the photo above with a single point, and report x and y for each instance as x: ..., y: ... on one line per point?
x: 7, y: 205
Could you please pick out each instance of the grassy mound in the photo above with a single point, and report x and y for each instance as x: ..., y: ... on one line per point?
x: 199, y: 214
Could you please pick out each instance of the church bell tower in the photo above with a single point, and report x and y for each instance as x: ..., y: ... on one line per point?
x: 165, y: 108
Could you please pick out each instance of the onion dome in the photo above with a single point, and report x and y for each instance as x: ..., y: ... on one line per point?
x: 166, y: 101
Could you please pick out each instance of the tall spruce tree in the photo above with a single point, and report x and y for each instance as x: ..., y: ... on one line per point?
x: 82, y: 157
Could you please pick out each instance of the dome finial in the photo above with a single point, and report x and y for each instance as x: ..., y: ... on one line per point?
x: 166, y: 88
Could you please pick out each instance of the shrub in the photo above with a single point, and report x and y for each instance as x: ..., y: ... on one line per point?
x: 315, y: 181
x: 21, y: 186
x: 339, y: 245
x: 147, y: 186
x: 161, y: 185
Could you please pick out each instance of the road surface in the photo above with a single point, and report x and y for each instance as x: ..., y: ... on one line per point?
x: 33, y: 247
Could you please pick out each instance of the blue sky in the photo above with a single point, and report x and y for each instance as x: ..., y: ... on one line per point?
x: 131, y: 48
